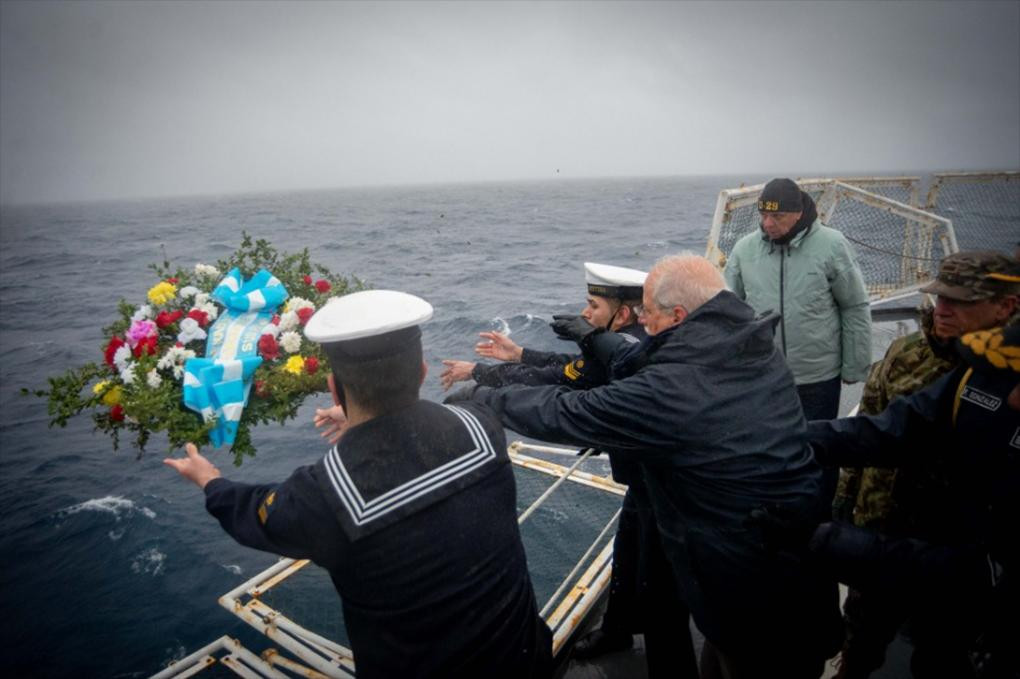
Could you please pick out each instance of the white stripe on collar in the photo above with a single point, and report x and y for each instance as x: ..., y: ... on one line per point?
x: 362, y: 512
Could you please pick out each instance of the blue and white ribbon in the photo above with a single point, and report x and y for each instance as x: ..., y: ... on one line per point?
x: 217, y: 385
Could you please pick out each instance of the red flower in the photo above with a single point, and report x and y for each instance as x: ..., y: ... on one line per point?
x: 268, y: 347
x: 261, y: 390
x: 117, y: 413
x: 166, y: 318
x: 172, y: 281
x: 322, y: 285
x: 111, y: 349
x: 179, y: 345
x: 148, y: 345
x: 304, y: 313
x: 311, y: 365
x: 307, y: 279
x: 200, y: 316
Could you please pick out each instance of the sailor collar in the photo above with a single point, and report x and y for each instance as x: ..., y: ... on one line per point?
x: 396, y: 465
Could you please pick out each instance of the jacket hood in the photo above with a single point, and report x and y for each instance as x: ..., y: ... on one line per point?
x: 717, y: 330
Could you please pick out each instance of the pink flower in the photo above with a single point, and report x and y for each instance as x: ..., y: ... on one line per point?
x: 139, y: 330
x: 307, y: 279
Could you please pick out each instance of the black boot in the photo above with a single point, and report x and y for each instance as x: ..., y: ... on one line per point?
x: 599, y: 642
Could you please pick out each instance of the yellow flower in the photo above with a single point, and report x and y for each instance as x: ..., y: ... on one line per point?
x: 162, y: 292
x: 113, y: 396
x: 295, y: 364
x: 100, y: 387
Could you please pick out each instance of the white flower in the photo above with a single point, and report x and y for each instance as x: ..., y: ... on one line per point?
x: 271, y: 329
x: 290, y: 341
x: 153, y: 379
x: 210, y: 309
x: 295, y: 303
x: 201, y: 298
x: 175, y: 358
x: 122, y: 356
x: 127, y: 374
x: 144, y: 313
x: 190, y: 330
x: 206, y: 270
x: 188, y: 291
x: 288, y: 320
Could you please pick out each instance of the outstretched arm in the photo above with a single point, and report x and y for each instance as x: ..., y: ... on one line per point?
x: 498, y: 346
x: 194, y: 466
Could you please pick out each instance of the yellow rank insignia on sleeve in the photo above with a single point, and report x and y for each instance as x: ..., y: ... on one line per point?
x: 264, y: 507
x: 574, y: 369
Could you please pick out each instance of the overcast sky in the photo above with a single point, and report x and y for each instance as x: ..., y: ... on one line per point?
x: 129, y: 99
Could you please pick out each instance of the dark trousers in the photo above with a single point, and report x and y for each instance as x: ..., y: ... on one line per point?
x: 820, y: 401
x: 662, y: 613
x: 621, y: 616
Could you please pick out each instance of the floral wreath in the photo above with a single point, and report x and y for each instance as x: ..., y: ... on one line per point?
x: 155, y: 357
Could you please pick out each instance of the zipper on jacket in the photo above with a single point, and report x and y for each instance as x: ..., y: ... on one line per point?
x: 782, y: 286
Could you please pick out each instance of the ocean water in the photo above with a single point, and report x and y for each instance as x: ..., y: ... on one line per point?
x: 109, y: 564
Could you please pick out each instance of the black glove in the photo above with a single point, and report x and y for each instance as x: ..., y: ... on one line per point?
x: 594, y: 452
x: 780, y: 529
x: 574, y: 328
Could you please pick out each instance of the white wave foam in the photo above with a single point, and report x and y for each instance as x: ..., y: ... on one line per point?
x: 150, y: 562
x: 504, y: 327
x: 112, y: 504
x: 116, y: 534
x: 233, y: 568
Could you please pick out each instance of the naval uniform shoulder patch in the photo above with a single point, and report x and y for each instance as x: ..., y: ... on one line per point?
x: 1016, y: 438
x: 265, y: 506
x: 980, y: 398
x: 574, y: 369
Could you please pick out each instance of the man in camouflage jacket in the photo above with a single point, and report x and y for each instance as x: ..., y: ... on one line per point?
x: 975, y: 291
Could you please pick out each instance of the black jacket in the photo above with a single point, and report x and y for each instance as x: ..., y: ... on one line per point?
x: 414, y: 516
x: 714, y: 420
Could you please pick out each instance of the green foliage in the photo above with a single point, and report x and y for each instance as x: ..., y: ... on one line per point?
x: 143, y: 408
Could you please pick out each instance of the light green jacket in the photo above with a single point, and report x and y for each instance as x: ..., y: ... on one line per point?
x: 815, y: 284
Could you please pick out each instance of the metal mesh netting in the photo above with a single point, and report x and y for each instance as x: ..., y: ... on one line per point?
x: 894, y: 250
x: 555, y: 537
x: 985, y: 208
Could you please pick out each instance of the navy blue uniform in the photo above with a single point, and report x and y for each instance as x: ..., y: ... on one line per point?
x: 713, y: 418
x: 414, y: 516
x: 961, y: 420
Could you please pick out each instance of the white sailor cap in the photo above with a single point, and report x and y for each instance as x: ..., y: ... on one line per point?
x: 369, y: 324
x: 616, y: 282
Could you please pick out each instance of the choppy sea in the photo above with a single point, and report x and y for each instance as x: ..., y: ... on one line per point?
x: 109, y: 564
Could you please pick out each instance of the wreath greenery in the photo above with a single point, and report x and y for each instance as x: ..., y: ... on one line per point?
x: 138, y: 386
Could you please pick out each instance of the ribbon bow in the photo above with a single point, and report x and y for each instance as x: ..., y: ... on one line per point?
x: 217, y: 385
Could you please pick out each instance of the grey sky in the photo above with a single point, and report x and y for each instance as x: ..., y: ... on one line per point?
x: 123, y: 99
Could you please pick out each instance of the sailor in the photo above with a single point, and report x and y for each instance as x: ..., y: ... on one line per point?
x: 713, y: 420
x: 613, y: 292
x: 412, y: 513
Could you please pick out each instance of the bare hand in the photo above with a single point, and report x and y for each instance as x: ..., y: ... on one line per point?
x: 194, y: 467
x: 456, y: 371
x: 499, y: 347
x: 332, y: 421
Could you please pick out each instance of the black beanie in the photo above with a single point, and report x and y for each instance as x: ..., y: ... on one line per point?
x: 780, y: 195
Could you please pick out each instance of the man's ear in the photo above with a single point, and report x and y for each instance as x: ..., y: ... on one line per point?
x: 332, y: 389
x: 1007, y: 308
x: 679, y: 314
x: 424, y: 372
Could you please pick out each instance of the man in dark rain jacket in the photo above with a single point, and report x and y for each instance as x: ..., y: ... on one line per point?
x: 413, y: 512
x: 713, y: 418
